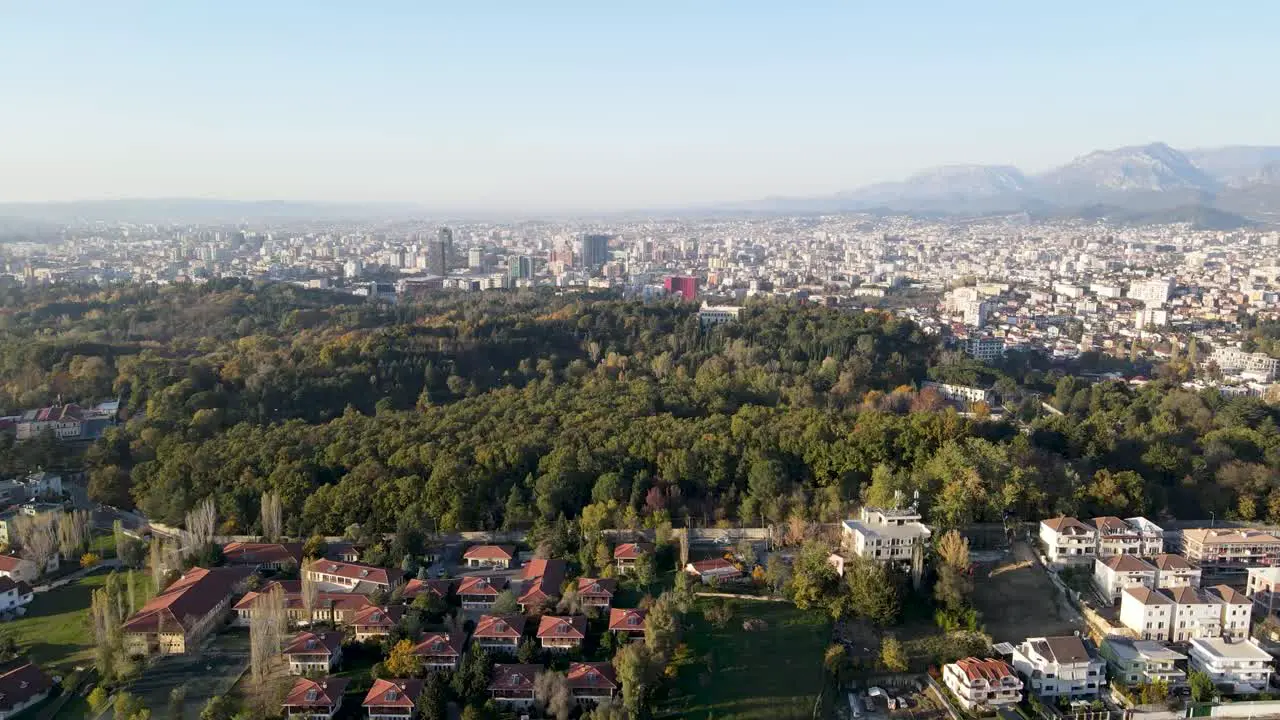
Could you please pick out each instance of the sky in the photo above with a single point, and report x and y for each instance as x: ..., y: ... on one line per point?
x: 594, y: 105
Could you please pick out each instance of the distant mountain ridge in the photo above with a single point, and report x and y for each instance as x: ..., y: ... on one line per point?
x: 1224, y: 187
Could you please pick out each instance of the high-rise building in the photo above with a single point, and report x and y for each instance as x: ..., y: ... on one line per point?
x: 520, y: 267
x: 686, y: 286
x: 475, y: 258
x: 595, y: 251
x: 1152, y: 292
x: 440, y: 252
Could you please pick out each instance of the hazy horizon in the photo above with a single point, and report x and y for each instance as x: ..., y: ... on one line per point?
x: 582, y: 108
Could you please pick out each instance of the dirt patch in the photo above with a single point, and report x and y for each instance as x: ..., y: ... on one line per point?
x: 1018, y: 600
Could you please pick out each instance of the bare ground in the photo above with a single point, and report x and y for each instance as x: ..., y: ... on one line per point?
x: 1018, y: 600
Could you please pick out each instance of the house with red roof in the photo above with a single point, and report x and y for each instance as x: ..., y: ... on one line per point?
x: 628, y: 620
x: 339, y: 608
x: 597, y: 592
x: 982, y: 684
x: 499, y: 632
x: 562, y: 632
x: 716, y: 569
x: 439, y: 588
x: 184, y: 612
x: 392, y: 699
x: 478, y: 593
x: 512, y: 685
x: 592, y: 683
x: 541, y: 582
x: 376, y: 622
x: 263, y: 556
x: 500, y: 556
x: 22, y: 687
x: 354, y: 577
x: 440, y: 650
x: 626, y: 554
x: 309, y: 652
x: 20, y: 569
x: 314, y: 699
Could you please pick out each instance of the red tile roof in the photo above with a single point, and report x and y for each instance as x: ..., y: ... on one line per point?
x: 415, y: 587
x: 309, y: 643
x: 990, y: 670
x: 10, y: 563
x: 513, y: 677
x: 356, y: 571
x: 378, y: 617
x: 597, y: 586
x: 566, y: 627
x: 323, y: 693
x: 240, y: 553
x: 21, y: 684
x: 490, y: 552
x: 393, y: 693
x: 1067, y: 524
x: 293, y: 598
x: 713, y: 565
x: 192, y: 597
x: 482, y: 586
x: 591, y: 676
x: 631, y: 551
x: 542, y: 580
x: 499, y: 626
x: 439, y: 643
x: 627, y: 619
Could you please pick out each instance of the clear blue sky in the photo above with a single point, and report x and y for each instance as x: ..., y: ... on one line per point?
x: 580, y: 105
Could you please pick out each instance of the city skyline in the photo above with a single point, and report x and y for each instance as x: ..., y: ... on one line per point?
x: 580, y: 108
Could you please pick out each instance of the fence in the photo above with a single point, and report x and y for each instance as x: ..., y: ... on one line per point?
x: 1245, y: 709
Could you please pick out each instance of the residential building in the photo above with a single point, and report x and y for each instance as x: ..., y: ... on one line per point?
x: 175, y: 619
x: 683, y: 285
x: 1067, y: 541
x: 512, y: 685
x: 310, y: 652
x: 479, y: 593
x: 376, y: 622
x: 628, y: 620
x: 314, y: 699
x: 1112, y: 575
x: 392, y: 699
x: 499, y: 632
x: 982, y: 684
x: 1152, y: 292
x: 265, y: 556
x: 440, y: 650
x: 1259, y: 365
x: 713, y: 570
x: 592, y: 683
x: 1261, y: 589
x: 1060, y: 667
x: 712, y: 315
x: 626, y: 554
x: 1173, y: 571
x: 983, y: 349
x: 596, y: 592
x: 1235, y: 614
x: 1194, y: 615
x: 354, y: 577
x: 1150, y: 536
x: 560, y: 633
x: 22, y: 687
x: 500, y: 556
x: 1230, y: 550
x: 886, y: 535
x: 1140, y: 662
x: 20, y: 569
x: 338, y: 608
x: 541, y: 581
x: 439, y: 588
x: 595, y: 251
x: 1148, y: 613
x: 1115, y: 537
x: 964, y: 394
x: 14, y: 594
x: 1242, y: 665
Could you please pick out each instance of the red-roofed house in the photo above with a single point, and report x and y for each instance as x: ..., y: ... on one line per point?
x: 597, y: 592
x: 376, y: 622
x: 392, y: 699
x: 184, y: 612
x: 983, y: 684
x: 557, y: 632
x: 22, y: 687
x: 490, y: 556
x: 628, y: 620
x: 437, y: 588
x: 499, y: 632
x: 267, y: 556
x: 542, y: 580
x: 19, y: 569
x: 314, y: 699
x: 512, y: 685
x: 310, y: 652
x: 626, y: 554
x: 354, y: 577
x: 713, y: 569
x: 478, y: 593
x: 339, y: 608
x: 592, y: 682
x: 440, y: 650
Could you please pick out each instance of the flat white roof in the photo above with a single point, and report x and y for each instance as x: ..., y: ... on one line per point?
x: 1218, y: 647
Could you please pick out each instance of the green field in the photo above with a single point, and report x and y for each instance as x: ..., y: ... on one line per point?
x: 770, y: 674
x: 55, y: 631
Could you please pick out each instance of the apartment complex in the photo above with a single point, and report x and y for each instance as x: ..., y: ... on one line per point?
x: 1060, y: 667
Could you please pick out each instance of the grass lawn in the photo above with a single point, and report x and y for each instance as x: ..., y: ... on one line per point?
x: 55, y: 631
x: 770, y: 674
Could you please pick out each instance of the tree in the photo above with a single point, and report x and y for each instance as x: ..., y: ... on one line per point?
x: 893, y: 657
x: 836, y: 661
x: 636, y: 670
x: 402, y: 662
x: 177, y: 702
x: 527, y: 652
x: 471, y: 681
x: 505, y: 604
x: 219, y: 707
x: 872, y: 593
x: 74, y: 530
x: 954, y: 584
x: 433, y: 702
x: 643, y: 570
x: 268, y: 626
x: 1201, y: 684
x: 200, y: 525
x: 662, y: 627
x: 315, y: 547
x: 271, y: 517
x: 98, y: 699
x: 8, y: 647
x: 814, y: 580
x: 551, y: 690
x: 38, y: 537
x: 777, y: 573
x: 309, y: 589
x: 127, y: 706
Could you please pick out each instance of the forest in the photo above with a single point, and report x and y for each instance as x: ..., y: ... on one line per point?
x: 514, y: 409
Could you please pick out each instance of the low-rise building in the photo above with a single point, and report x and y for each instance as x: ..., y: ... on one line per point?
x: 982, y: 684
x: 265, y: 556
x: 625, y: 555
x: 1116, y: 537
x: 1060, y: 667
x: 596, y: 592
x: 512, y: 685
x: 1139, y: 662
x: 376, y: 622
x: 541, y: 581
x: 1150, y: 536
x: 175, y: 619
x: 1147, y: 613
x: 1112, y: 575
x: 395, y: 699
x: 1263, y: 589
x: 22, y: 687
x: 440, y: 650
x: 496, y: 556
x: 562, y: 632
x: 438, y: 588
x: 713, y: 569
x: 314, y: 699
x: 1241, y: 665
x: 14, y: 594
x: 629, y: 621
x: 1235, y: 611
x: 479, y: 593
x: 1174, y: 571
x: 1225, y: 551
x: 310, y: 652
x: 354, y: 577
x: 592, y: 683
x: 887, y: 536
x: 20, y: 569
x: 1067, y: 541
x: 499, y: 632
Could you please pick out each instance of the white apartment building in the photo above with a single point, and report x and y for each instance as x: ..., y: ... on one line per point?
x: 1067, y: 541
x: 1235, y: 611
x: 1173, y: 571
x: 1116, y: 537
x: 710, y: 315
x: 1146, y: 612
x: 885, y: 535
x: 984, y: 349
x: 982, y: 684
x: 963, y: 393
x: 1194, y: 615
x: 1152, y: 292
x: 1137, y: 662
x: 1112, y: 575
x: 1233, y: 360
x: 1261, y: 589
x: 1230, y: 549
x: 1060, y: 667
x: 1243, y: 665
x: 1150, y: 535
x: 1183, y: 613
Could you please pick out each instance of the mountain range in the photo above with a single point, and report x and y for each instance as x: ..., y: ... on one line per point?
x: 1220, y: 188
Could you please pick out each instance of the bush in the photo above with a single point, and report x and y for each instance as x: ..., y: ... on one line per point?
x: 89, y: 559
